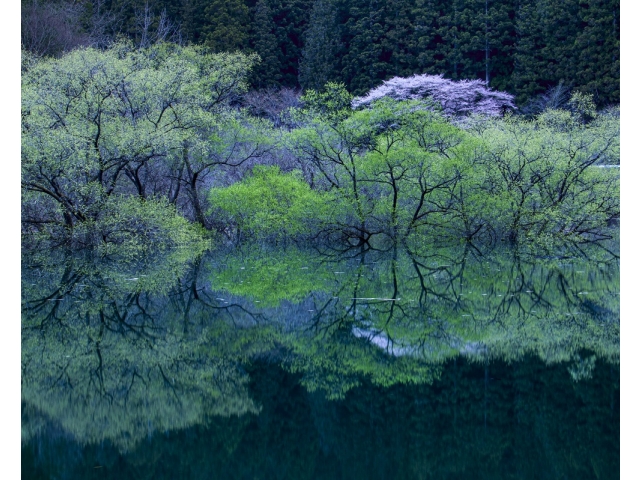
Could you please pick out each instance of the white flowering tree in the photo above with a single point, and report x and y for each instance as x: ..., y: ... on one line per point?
x: 463, y: 97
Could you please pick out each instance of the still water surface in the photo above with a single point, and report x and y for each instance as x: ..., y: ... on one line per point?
x: 296, y: 364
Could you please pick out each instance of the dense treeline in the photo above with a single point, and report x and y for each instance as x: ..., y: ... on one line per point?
x: 520, y: 46
x: 121, y: 146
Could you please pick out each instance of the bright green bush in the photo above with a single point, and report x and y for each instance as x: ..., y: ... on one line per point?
x: 270, y: 203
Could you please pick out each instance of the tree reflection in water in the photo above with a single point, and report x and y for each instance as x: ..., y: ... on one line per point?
x: 400, y: 363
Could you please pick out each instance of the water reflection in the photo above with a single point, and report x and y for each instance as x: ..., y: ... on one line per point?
x: 139, y: 355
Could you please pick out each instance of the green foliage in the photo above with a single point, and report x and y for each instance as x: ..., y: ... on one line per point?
x: 543, y: 177
x: 120, y: 122
x: 291, y: 18
x: 332, y: 102
x: 264, y: 42
x: 401, y: 168
x: 270, y: 203
x: 598, y: 44
x: 318, y: 60
x: 582, y: 106
x: 130, y: 225
x: 225, y: 27
x: 100, y: 126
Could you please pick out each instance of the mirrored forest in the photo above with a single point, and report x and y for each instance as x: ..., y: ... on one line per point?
x: 120, y: 359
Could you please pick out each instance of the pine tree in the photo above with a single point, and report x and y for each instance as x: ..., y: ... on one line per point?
x: 426, y: 37
x: 193, y: 21
x: 265, y: 44
x: 500, y: 36
x: 321, y: 45
x: 225, y: 26
x: 362, y: 65
x: 521, y: 46
x: 530, y: 74
x: 291, y: 18
x: 454, y: 32
x: 561, y: 25
x: 598, y: 45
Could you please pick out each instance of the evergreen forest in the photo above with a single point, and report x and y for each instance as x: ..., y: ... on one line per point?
x: 519, y: 46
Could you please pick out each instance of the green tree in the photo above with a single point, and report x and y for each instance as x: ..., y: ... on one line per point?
x: 291, y: 18
x: 225, y: 29
x: 598, y: 44
x: 401, y: 168
x: 193, y: 20
x: 269, y: 203
x: 362, y: 65
x: 426, y: 38
x: 264, y: 43
x: 542, y: 173
x: 529, y: 74
x: 101, y: 124
x: 320, y: 46
x: 457, y: 32
x: 399, y: 40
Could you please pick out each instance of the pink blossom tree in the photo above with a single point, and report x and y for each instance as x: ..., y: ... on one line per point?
x: 463, y: 97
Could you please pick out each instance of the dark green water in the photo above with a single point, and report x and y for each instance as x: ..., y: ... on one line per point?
x: 291, y: 364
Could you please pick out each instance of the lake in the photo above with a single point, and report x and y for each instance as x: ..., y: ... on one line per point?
x: 259, y: 362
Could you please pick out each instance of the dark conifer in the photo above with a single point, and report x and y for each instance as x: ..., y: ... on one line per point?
x: 226, y: 25
x: 264, y: 43
x: 363, y: 66
x: 530, y: 73
x: 320, y: 47
x: 598, y: 50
